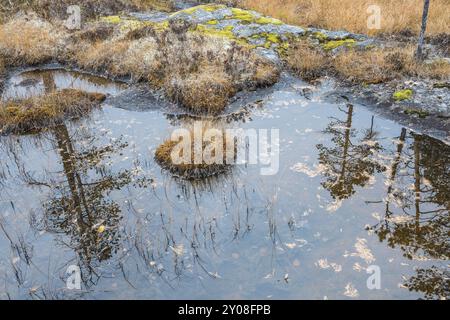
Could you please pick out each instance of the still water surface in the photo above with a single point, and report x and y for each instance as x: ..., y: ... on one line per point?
x: 353, y: 190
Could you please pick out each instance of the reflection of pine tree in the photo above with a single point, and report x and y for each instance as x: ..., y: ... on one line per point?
x: 79, y: 206
x: 425, y: 204
x: 433, y: 282
x: 348, y: 164
x: 421, y: 223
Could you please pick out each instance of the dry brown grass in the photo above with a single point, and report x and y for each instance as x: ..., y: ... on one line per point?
x: 351, y: 15
x: 207, y: 90
x: 35, y: 114
x: 192, y: 170
x: 28, y: 41
x: 307, y: 61
x: 51, y: 9
x: 369, y: 66
x: 2, y: 67
x: 2, y: 73
x: 103, y: 57
x: 200, y: 72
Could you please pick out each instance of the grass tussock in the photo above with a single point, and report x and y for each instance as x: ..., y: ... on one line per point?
x: 307, y: 61
x: 397, y: 16
x: 206, y: 90
x: 363, y: 66
x: 92, y: 33
x: 190, y: 170
x: 28, y: 41
x: 38, y: 113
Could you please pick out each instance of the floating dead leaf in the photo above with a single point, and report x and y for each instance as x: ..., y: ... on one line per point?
x: 351, y: 291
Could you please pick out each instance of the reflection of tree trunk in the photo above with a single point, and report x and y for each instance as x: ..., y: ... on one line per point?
x: 348, y: 128
x: 67, y: 154
x: 395, y: 164
x: 417, y: 178
x: 49, y: 82
x: 64, y: 153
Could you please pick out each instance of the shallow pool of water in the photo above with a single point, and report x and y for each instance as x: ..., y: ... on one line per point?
x: 354, y: 192
x: 37, y: 82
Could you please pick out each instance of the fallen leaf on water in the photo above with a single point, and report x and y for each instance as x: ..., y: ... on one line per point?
x: 291, y: 245
x: 351, y: 291
x: 179, y: 249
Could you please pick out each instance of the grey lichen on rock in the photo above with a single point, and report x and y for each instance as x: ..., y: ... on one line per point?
x: 268, y: 35
x: 245, y: 26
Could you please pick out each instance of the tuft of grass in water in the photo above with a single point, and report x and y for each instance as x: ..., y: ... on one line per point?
x: 38, y: 113
x: 190, y: 170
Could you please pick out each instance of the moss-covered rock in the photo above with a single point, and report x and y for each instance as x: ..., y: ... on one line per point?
x: 240, y: 25
x: 245, y: 26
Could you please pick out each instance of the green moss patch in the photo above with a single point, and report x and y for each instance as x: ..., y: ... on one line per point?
x: 205, y: 7
x: 331, y: 45
x: 403, y: 95
x: 268, y: 20
x: 226, y: 32
x: 417, y: 112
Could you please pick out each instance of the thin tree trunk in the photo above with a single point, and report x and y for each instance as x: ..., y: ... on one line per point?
x: 394, y: 168
x: 348, y: 128
x: 419, y: 53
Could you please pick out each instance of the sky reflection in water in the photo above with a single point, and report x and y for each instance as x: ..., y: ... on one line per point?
x: 353, y: 190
